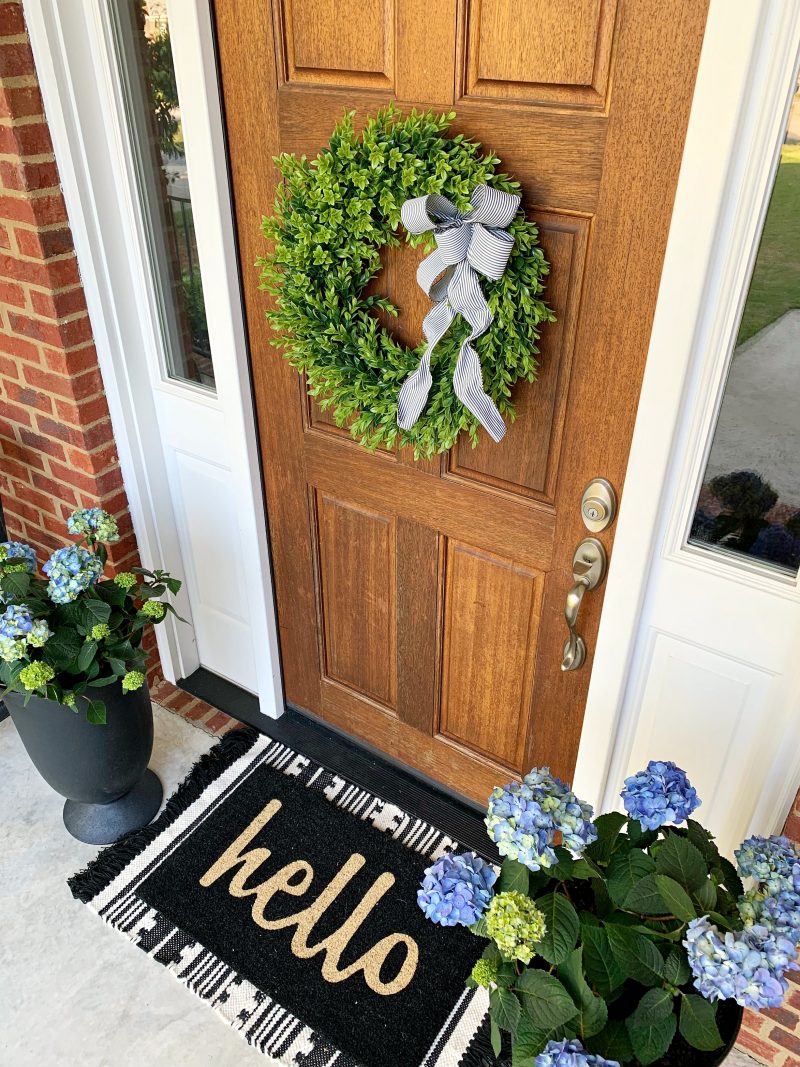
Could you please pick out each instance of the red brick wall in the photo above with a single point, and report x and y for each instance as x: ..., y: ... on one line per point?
x: 56, y: 446
x: 773, y: 1036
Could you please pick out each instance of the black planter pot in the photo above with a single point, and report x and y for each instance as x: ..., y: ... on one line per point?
x: 681, y: 1053
x: 101, y: 770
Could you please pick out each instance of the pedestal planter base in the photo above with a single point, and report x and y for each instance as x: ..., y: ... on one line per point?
x: 101, y: 770
x: 102, y: 824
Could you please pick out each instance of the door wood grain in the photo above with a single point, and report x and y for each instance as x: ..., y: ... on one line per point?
x: 420, y: 604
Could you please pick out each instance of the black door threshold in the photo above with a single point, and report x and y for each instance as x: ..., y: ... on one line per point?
x: 365, y: 766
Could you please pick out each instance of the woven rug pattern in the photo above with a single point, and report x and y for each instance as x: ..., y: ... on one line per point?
x: 110, y: 887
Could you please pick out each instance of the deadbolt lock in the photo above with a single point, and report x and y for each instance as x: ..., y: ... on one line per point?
x: 598, y: 505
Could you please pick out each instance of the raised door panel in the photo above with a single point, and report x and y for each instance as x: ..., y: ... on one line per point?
x: 491, y: 619
x: 337, y: 42
x: 526, y: 460
x: 540, y: 52
x: 356, y: 550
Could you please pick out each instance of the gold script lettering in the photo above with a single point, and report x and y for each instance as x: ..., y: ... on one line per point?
x: 334, y: 945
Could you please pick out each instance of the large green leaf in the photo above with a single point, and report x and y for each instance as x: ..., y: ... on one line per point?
x: 612, y: 1043
x: 562, y: 930
x: 706, y: 896
x: 698, y: 1023
x: 592, y: 1011
x: 16, y: 585
x: 111, y: 593
x: 86, y: 654
x: 730, y: 877
x: 62, y: 648
x: 602, y: 969
x: 96, y: 712
x: 513, y: 877
x: 683, y: 861
x: 703, y: 841
x: 608, y: 828
x: 676, y: 966
x: 625, y: 870
x: 505, y: 1009
x: 676, y: 898
x: 651, y: 1041
x: 636, y: 955
x: 95, y: 612
x: 655, y: 1004
x: 645, y: 898
x: 545, y: 1000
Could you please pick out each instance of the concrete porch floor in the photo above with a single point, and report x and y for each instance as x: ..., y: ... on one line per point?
x: 75, y: 993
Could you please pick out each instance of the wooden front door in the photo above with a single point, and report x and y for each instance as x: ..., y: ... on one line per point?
x: 421, y: 604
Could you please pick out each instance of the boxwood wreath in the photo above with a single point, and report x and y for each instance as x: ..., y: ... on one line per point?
x: 332, y: 217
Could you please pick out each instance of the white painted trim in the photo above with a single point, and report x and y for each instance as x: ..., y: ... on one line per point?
x: 75, y: 63
x: 743, y: 88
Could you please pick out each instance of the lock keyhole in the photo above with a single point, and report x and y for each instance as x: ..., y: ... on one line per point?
x: 598, y: 505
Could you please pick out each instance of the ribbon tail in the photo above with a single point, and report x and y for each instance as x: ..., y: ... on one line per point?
x: 468, y: 387
x: 413, y: 395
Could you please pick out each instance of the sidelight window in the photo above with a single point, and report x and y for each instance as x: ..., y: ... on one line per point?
x: 749, y: 498
x: 156, y: 131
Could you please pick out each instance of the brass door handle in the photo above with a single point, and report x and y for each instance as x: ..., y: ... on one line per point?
x: 588, y: 570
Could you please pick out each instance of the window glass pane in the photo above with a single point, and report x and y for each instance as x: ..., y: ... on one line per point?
x: 156, y: 131
x: 749, y: 499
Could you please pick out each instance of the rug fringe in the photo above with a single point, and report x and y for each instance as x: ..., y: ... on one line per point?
x: 480, y: 1052
x: 104, y: 868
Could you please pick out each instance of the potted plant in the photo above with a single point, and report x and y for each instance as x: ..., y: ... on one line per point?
x: 72, y: 668
x: 627, y: 939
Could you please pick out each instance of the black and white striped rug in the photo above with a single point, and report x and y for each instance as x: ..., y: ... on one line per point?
x: 285, y: 897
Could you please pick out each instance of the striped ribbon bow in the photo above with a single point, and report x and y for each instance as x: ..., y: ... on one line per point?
x: 465, y: 243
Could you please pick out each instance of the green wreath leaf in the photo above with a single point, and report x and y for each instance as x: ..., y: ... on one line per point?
x: 332, y: 217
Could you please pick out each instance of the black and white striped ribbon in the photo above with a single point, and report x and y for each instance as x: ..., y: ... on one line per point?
x: 465, y: 243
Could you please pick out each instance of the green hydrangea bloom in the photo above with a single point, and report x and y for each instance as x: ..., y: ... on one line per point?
x: 12, y: 649
x: 154, y: 609
x: 132, y: 680
x: 126, y: 580
x: 68, y: 700
x: 515, y: 925
x: 101, y: 630
x: 35, y: 675
x: 485, y: 973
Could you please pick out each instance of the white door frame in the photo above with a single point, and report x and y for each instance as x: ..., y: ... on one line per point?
x: 75, y: 63
x: 747, y: 66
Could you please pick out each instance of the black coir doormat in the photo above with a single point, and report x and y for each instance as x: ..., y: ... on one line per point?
x: 285, y: 896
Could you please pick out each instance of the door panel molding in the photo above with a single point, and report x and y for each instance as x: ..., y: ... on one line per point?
x: 603, y: 184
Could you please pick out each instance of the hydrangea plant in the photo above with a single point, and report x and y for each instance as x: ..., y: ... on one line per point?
x: 609, y: 939
x: 70, y: 634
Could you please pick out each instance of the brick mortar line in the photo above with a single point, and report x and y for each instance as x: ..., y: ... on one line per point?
x: 18, y: 122
x: 19, y: 81
x: 24, y: 195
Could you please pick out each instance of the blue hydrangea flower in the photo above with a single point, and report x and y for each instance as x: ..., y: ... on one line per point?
x: 659, y: 795
x: 11, y: 650
x: 40, y: 633
x: 457, y: 889
x: 524, y: 818
x: 747, y: 966
x: 16, y: 550
x: 16, y: 621
x: 767, y: 859
x: 569, y: 1052
x: 18, y: 630
x: 71, y: 570
x: 95, y: 523
x: 15, y: 556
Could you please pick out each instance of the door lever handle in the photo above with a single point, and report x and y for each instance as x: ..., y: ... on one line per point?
x: 588, y: 570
